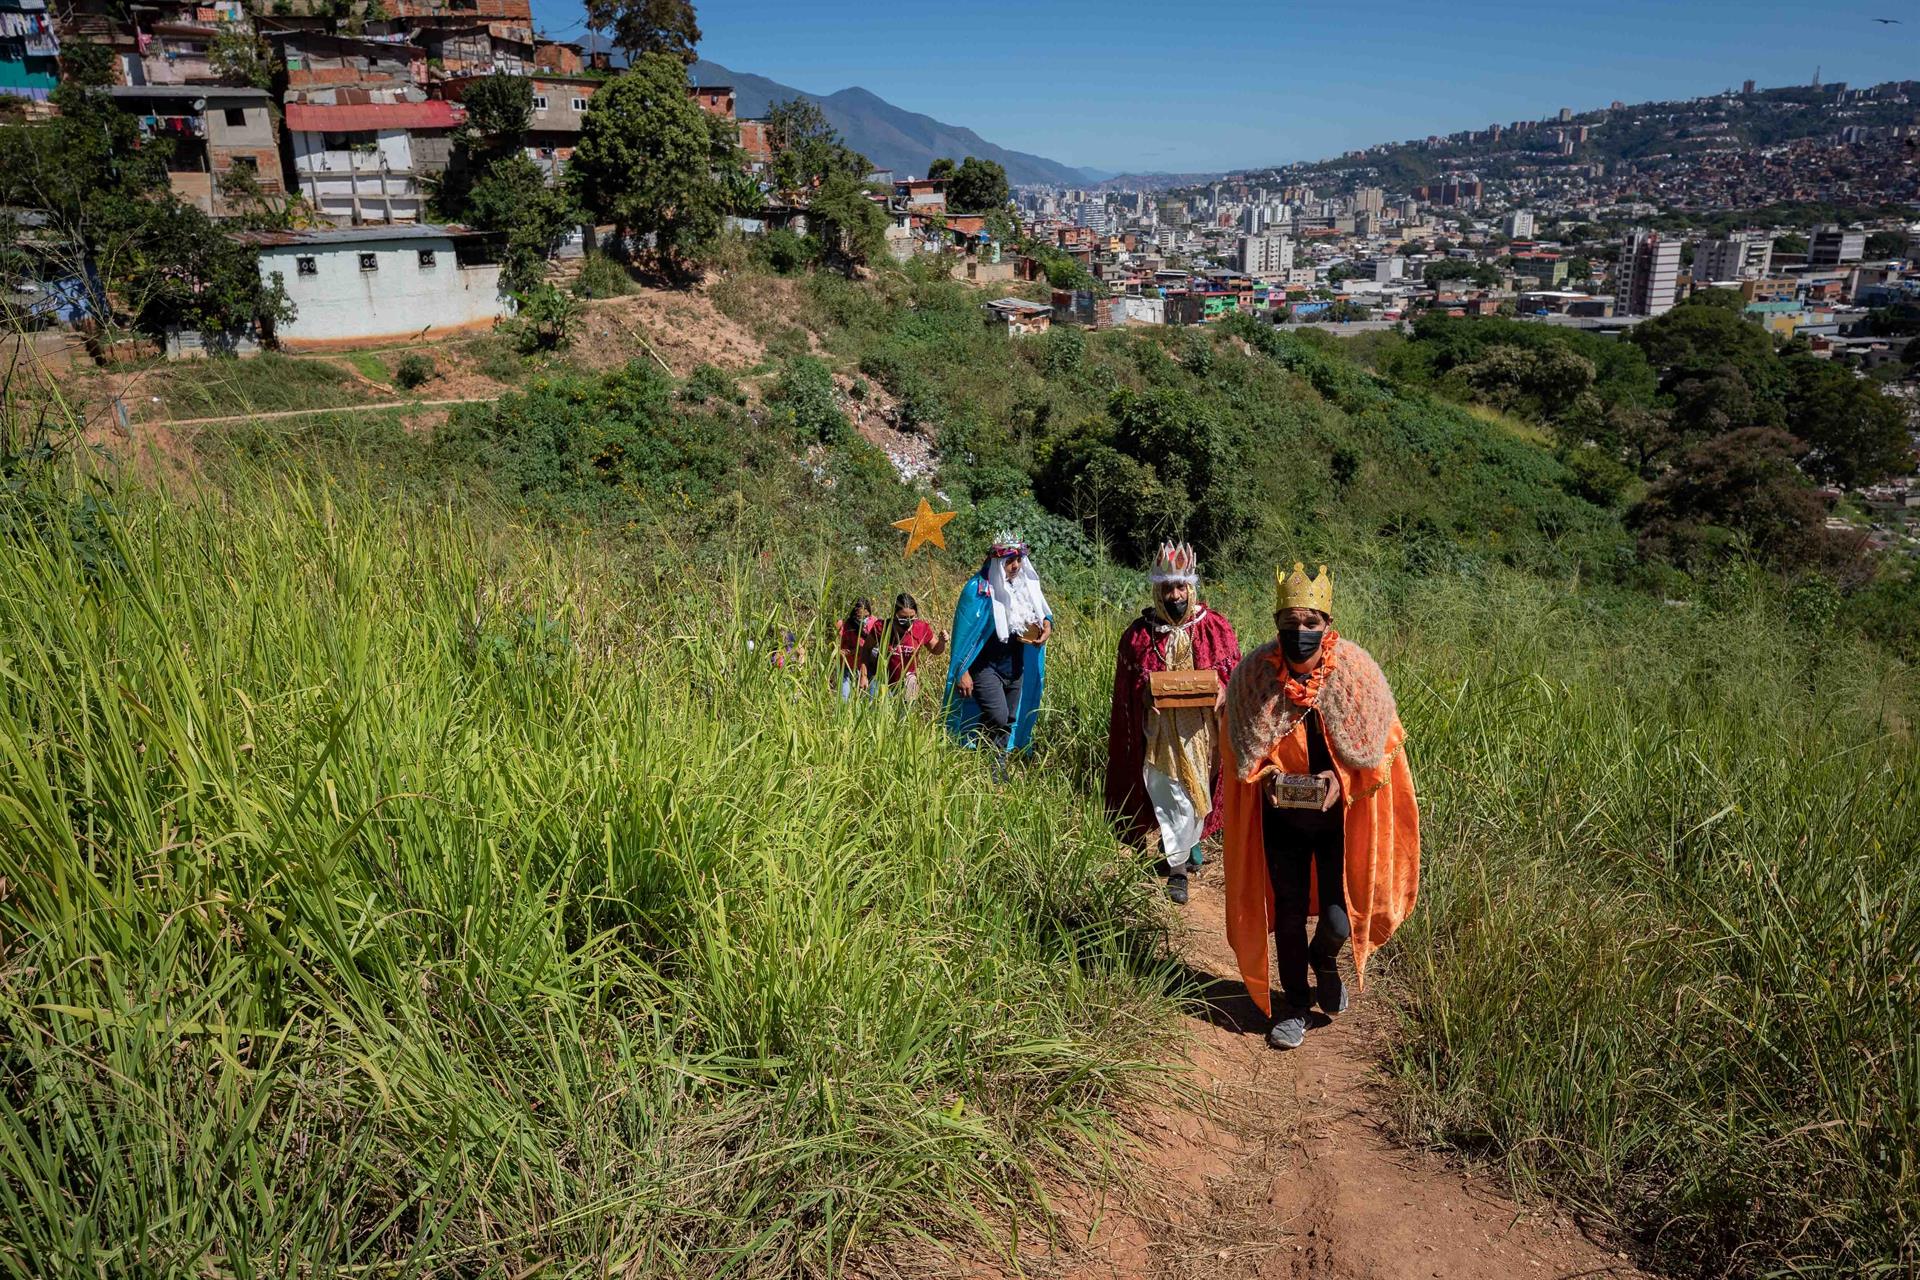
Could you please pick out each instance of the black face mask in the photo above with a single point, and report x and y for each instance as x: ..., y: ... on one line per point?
x: 1299, y: 644
x: 1176, y: 609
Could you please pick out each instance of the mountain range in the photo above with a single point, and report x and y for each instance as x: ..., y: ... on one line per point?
x: 889, y: 136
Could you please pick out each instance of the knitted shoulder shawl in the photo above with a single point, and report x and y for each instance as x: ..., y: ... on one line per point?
x: 1355, y: 705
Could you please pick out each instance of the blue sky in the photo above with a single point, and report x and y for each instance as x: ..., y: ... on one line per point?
x: 1127, y: 85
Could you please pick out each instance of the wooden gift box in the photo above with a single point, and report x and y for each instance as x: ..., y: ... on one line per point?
x: 1296, y: 790
x: 1170, y: 689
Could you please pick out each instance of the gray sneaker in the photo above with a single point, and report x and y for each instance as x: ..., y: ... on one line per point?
x: 1177, y: 888
x: 1289, y: 1030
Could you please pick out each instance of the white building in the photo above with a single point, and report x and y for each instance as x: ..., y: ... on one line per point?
x: 1830, y: 246
x: 1649, y: 275
x: 1265, y: 256
x: 352, y: 285
x: 367, y: 162
x: 1739, y: 255
x: 1518, y: 225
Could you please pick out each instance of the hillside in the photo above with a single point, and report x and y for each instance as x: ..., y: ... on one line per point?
x: 889, y: 136
x: 416, y: 861
x: 1657, y: 134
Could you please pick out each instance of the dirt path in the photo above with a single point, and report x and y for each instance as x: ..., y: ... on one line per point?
x: 1283, y: 1169
x: 308, y: 413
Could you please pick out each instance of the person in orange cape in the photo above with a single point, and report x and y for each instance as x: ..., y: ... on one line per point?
x: 1320, y: 814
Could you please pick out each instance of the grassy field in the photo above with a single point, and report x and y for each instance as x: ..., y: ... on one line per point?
x: 409, y: 868
x: 391, y: 893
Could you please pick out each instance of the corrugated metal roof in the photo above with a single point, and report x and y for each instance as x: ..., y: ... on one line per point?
x: 348, y: 235
x: 316, y: 117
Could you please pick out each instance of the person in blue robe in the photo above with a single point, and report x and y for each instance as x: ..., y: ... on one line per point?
x: 998, y: 668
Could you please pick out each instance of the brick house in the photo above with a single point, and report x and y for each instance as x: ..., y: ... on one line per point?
x: 213, y: 129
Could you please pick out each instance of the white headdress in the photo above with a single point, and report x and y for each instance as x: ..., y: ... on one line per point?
x: 1176, y: 562
x: 1018, y: 605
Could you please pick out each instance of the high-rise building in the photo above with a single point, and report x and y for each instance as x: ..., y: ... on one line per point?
x: 1265, y: 256
x: 1746, y: 87
x: 1649, y: 275
x: 1830, y: 246
x: 1369, y: 200
x: 1566, y: 114
x: 1518, y: 225
x: 1739, y: 255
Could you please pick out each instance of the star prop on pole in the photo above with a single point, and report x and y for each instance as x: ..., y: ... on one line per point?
x: 924, y: 525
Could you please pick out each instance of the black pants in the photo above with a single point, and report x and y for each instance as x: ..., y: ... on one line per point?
x: 1297, y: 842
x: 998, y: 697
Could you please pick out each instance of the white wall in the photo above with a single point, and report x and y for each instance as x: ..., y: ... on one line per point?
x: 341, y: 302
x: 332, y: 178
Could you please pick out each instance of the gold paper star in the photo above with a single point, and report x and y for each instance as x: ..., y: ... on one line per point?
x: 924, y: 525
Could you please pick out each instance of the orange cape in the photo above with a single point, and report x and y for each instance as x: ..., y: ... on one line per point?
x: 1381, y: 818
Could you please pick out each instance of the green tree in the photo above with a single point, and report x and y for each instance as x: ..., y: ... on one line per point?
x: 241, y: 58
x: 850, y: 225
x: 1886, y: 244
x: 975, y: 185
x: 513, y: 196
x: 1855, y: 433
x: 1789, y: 242
x: 499, y: 110
x: 187, y: 273
x: 806, y: 148
x: 1737, y: 493
x: 940, y: 170
x: 649, y: 161
x: 646, y: 27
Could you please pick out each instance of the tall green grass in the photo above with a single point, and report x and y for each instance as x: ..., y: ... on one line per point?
x: 1666, y: 957
x: 385, y: 892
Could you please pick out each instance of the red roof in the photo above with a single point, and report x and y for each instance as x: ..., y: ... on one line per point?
x: 314, y: 117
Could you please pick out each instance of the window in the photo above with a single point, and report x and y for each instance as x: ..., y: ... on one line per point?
x: 369, y: 262
x: 236, y: 117
x: 579, y: 104
x: 306, y: 266
x: 427, y: 259
x: 539, y: 102
x: 249, y: 163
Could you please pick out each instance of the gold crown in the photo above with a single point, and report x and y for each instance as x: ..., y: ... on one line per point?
x: 1297, y: 591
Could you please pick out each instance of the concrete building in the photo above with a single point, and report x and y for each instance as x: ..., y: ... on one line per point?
x: 1829, y: 246
x: 369, y: 162
x: 1518, y: 225
x: 1369, y: 200
x: 1265, y: 256
x: 1649, y: 275
x: 1739, y: 255
x: 213, y: 130
x: 29, y: 50
x: 366, y: 284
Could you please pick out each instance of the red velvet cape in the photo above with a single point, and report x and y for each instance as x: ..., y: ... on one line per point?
x: 1141, y: 646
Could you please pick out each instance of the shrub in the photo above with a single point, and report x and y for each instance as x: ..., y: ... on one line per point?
x: 707, y: 382
x: 413, y: 370
x: 805, y: 391
x: 602, y: 276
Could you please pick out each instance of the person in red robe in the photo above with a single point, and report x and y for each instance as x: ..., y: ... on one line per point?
x: 1321, y: 818
x: 1163, y: 764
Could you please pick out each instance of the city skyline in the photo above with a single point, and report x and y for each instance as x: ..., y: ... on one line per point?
x: 1249, y: 86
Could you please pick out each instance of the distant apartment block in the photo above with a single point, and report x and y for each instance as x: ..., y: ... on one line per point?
x: 1518, y: 225
x: 1265, y: 256
x: 1740, y: 255
x: 1831, y: 246
x: 1369, y: 200
x: 1649, y: 275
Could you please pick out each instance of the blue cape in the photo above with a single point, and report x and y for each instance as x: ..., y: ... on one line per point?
x: 972, y: 624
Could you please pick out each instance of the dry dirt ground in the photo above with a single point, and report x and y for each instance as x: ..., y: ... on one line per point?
x: 1281, y: 1167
